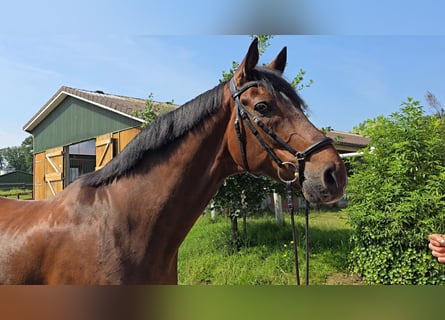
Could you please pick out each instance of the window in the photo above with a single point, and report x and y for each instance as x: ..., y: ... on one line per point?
x: 80, y: 159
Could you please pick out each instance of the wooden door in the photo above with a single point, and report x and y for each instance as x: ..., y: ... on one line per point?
x: 39, y: 184
x: 53, y: 168
x: 104, y: 150
x: 124, y: 137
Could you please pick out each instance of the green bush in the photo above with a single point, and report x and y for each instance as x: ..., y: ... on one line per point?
x: 397, y: 197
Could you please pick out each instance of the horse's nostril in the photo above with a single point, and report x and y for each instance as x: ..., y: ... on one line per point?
x: 329, y: 177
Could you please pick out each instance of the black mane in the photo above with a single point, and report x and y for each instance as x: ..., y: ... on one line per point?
x: 164, y: 130
x: 174, y: 124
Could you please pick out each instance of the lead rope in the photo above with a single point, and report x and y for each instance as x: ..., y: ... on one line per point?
x: 290, y: 205
x: 306, y: 229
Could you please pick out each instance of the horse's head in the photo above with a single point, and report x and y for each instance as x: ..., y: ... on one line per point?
x: 270, y: 134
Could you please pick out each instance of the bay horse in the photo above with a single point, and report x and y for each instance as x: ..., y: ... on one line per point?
x: 123, y: 224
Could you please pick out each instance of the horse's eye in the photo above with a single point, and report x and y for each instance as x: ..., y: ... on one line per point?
x: 262, y: 107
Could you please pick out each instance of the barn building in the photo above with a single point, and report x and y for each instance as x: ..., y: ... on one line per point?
x: 79, y: 131
x: 15, y: 180
x: 347, y: 143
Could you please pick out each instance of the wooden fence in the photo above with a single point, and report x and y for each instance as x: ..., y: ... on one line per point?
x: 18, y: 195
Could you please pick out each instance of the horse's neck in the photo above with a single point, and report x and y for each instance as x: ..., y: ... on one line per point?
x: 172, y: 188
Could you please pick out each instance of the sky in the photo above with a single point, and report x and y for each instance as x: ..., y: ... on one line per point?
x: 364, y: 59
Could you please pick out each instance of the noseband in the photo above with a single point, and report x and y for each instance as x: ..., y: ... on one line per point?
x: 247, y: 117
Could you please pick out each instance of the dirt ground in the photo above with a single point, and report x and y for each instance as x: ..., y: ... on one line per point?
x: 341, y: 278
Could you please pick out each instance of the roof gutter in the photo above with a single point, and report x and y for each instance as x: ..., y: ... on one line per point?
x: 351, y: 154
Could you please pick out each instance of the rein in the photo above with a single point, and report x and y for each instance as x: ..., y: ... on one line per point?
x: 245, y: 116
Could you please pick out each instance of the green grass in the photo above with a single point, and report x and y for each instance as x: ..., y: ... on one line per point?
x: 21, y: 193
x: 207, y: 256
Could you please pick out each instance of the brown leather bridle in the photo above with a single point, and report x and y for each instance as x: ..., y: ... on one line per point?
x: 247, y: 117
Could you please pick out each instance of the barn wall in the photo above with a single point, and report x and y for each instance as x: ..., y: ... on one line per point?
x: 17, y: 179
x: 75, y: 120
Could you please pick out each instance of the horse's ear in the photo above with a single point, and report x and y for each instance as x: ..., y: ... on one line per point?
x: 279, y: 63
x: 249, y: 62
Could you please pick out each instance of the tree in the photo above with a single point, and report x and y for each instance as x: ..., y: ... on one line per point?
x: 2, y: 160
x: 18, y: 157
x: 397, y: 197
x: 27, y: 148
x: 435, y: 104
x: 240, y: 195
x: 151, y: 111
